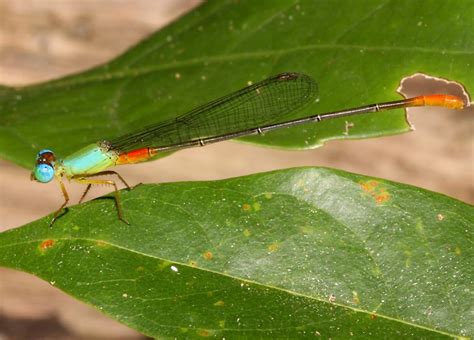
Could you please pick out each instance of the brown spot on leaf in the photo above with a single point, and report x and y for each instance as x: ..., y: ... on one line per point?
x: 382, y: 197
x: 369, y: 186
x: 203, y: 332
x: 246, y: 207
x: 46, y: 244
x: 374, y: 189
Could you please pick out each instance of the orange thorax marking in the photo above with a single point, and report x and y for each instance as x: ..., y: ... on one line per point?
x: 136, y: 156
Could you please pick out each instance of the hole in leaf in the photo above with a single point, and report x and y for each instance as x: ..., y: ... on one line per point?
x: 423, y: 84
x: 420, y: 84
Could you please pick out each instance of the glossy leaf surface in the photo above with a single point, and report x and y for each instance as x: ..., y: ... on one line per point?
x: 292, y: 253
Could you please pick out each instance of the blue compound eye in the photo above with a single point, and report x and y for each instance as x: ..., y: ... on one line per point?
x: 44, y: 173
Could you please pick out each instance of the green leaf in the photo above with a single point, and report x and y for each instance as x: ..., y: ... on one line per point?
x: 358, y: 53
x: 285, y: 254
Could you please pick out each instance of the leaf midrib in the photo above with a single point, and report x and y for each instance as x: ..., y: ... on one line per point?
x: 318, y: 299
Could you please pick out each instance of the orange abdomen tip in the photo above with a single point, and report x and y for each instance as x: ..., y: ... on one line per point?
x: 444, y: 100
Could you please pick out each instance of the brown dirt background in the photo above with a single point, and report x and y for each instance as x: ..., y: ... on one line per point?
x: 42, y: 40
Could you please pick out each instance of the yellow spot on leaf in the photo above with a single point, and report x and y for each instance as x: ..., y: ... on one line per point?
x: 247, y: 233
x: 440, y: 217
x: 163, y: 265
x: 221, y: 323
x: 273, y: 247
x: 419, y: 226
x: 193, y: 263
x: 376, y: 271
x: 219, y: 303
x: 207, y: 255
x: 355, y: 297
x: 257, y: 206
x: 369, y: 186
x: 246, y: 207
x: 408, y: 258
x: 457, y: 251
x: 102, y: 244
x: 307, y: 230
x: 268, y: 195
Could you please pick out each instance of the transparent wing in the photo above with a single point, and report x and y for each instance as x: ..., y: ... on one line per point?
x: 259, y: 104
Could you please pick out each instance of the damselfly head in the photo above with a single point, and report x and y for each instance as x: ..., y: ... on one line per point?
x: 44, y: 168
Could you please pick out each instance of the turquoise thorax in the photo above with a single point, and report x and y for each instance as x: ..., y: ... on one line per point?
x: 88, y: 160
